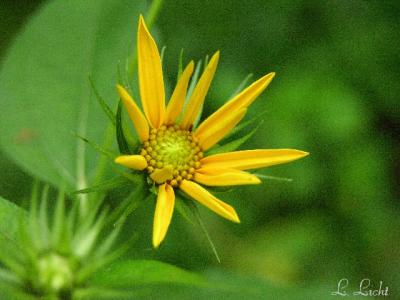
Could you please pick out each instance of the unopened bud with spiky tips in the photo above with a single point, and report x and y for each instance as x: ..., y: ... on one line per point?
x: 57, y: 256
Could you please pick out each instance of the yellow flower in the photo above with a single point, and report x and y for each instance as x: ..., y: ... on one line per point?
x: 173, y: 152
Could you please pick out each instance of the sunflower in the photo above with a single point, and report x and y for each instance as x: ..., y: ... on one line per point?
x: 172, y: 150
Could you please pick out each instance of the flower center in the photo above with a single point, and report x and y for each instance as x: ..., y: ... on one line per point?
x: 172, y: 154
x: 55, y: 273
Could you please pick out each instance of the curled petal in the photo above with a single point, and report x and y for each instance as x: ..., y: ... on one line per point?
x: 200, y: 194
x: 162, y: 175
x: 151, y: 83
x: 252, y: 159
x: 163, y: 213
x: 136, y: 162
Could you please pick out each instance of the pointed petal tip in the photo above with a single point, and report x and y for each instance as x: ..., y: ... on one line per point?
x: 235, y: 219
x: 141, y: 19
x: 268, y: 78
x: 156, y: 243
x: 256, y: 180
x: 216, y: 55
x: 142, y: 25
x: 305, y: 153
x: 191, y: 66
x: 302, y: 153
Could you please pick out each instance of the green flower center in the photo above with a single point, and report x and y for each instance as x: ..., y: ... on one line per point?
x: 172, y: 154
x: 55, y: 273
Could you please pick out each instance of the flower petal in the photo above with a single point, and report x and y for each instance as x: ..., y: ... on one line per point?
x: 177, y: 100
x: 162, y: 175
x: 218, y: 130
x: 224, y: 177
x: 204, y: 197
x: 136, y: 162
x: 138, y: 119
x: 252, y: 159
x: 151, y: 83
x: 163, y: 213
x: 199, y: 93
x: 242, y: 100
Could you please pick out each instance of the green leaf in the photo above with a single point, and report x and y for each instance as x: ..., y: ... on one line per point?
x: 10, y: 217
x: 11, y: 248
x: 45, y: 91
x: 129, y: 274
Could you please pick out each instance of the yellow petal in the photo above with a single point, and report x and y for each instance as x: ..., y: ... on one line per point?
x: 252, y: 159
x: 218, y: 130
x: 163, y: 213
x: 162, y: 175
x: 136, y: 162
x: 175, y: 104
x: 137, y: 117
x: 242, y: 100
x: 199, y: 93
x: 224, y: 177
x: 151, y: 83
x: 200, y: 194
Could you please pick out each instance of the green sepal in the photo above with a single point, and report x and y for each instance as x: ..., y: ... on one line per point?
x: 111, y: 155
x: 192, y: 84
x: 153, y: 189
x: 162, y: 54
x: 246, y: 125
x: 130, y: 203
x: 231, y: 145
x: 270, y: 177
x: 235, y: 144
x: 107, y: 110
x: 180, y: 65
x: 189, y: 207
x: 123, y: 145
x: 241, y: 85
x: 183, y: 208
x: 105, y: 185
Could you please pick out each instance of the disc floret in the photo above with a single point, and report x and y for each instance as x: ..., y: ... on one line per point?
x: 172, y: 154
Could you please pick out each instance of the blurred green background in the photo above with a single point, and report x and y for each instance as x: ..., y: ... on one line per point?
x: 335, y: 95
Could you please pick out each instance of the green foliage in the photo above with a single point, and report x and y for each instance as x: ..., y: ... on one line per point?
x: 335, y: 95
x: 51, y: 97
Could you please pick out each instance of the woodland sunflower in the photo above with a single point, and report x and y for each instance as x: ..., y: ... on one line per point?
x: 172, y: 150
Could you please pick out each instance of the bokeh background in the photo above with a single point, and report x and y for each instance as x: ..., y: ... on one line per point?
x: 336, y: 95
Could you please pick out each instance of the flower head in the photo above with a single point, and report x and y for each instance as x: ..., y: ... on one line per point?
x: 173, y: 151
